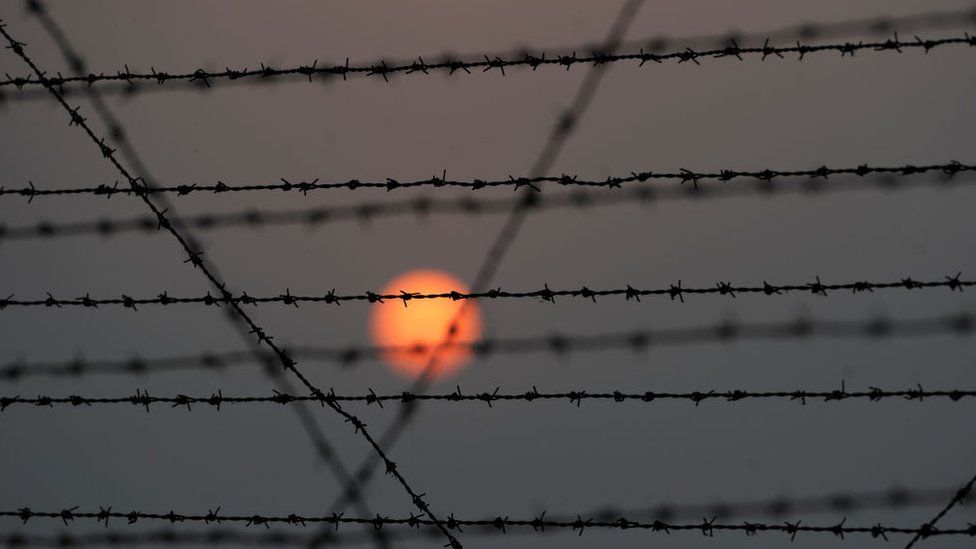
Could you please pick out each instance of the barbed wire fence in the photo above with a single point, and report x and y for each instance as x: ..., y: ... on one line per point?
x: 196, y: 261
x: 813, y: 30
x: 526, y: 201
x: 320, y: 442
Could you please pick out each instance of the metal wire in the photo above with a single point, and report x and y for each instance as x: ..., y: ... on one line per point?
x: 577, y: 397
x: 503, y: 524
x: 926, y: 529
x: 528, y: 60
x: 559, y: 344
x: 837, y: 502
x: 814, y: 30
x: 195, y: 260
x: 674, y: 291
x: 764, y: 176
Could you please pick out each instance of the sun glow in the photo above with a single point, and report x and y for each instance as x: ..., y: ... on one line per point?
x: 413, y: 332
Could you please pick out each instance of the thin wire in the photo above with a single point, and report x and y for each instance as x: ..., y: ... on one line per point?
x: 929, y: 527
x: 576, y: 397
x: 546, y: 294
x: 424, y: 207
x: 846, y: 29
x: 503, y: 524
x: 195, y: 260
x: 320, y: 443
x: 383, y: 70
x: 764, y: 176
x: 837, y: 502
x: 558, y: 344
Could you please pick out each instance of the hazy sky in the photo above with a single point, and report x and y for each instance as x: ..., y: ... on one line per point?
x: 513, y: 459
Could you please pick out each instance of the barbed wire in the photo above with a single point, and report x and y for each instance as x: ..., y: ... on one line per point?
x: 195, y: 260
x: 815, y: 30
x: 216, y: 400
x: 451, y: 67
x: 838, y: 502
x: 323, y: 447
x: 926, y: 529
x: 503, y: 524
x: 674, y: 291
x: 425, y: 206
x: 765, y: 176
x: 559, y: 344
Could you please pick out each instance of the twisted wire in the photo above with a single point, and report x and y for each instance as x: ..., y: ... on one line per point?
x: 576, y: 397
x: 323, y: 448
x: 814, y: 30
x: 195, y: 260
x: 423, y: 207
x: 559, y: 344
x: 837, y: 502
x: 765, y: 176
x: 503, y: 524
x: 926, y: 529
x: 674, y: 291
x: 528, y: 60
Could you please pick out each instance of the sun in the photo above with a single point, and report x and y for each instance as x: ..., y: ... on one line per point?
x: 411, y: 334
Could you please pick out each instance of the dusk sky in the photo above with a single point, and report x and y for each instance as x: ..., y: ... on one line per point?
x: 512, y: 459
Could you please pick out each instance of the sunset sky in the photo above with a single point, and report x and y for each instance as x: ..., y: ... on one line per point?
x: 518, y: 458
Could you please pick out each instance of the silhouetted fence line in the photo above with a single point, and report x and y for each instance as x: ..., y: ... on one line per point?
x: 764, y: 176
x: 196, y: 261
x: 383, y: 70
x: 882, y: 25
x: 503, y: 524
x: 674, y: 291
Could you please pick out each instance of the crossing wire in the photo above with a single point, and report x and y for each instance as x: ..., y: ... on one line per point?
x: 813, y: 30
x: 528, y: 60
x: 765, y: 176
x: 195, y: 260
x: 325, y: 450
x: 558, y: 344
x: 928, y: 528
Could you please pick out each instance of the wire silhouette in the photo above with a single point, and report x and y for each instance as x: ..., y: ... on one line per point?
x: 426, y: 206
x: 577, y: 397
x: 119, y: 136
x: 567, y: 123
x: 926, y: 530
x: 559, y: 344
x: 813, y: 30
x: 382, y: 70
x: 534, y: 182
x: 838, y: 502
x: 674, y: 291
x: 503, y: 524
x: 195, y: 260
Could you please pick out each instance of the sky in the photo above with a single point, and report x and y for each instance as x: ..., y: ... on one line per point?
x: 512, y: 459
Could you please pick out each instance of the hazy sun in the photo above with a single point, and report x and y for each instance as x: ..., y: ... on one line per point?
x: 417, y: 329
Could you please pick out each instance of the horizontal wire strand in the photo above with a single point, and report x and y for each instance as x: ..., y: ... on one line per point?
x: 766, y: 175
x: 675, y: 291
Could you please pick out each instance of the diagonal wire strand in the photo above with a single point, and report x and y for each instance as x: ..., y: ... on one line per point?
x: 927, y: 529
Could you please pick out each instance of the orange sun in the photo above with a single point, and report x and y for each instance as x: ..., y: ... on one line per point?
x: 415, y: 331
